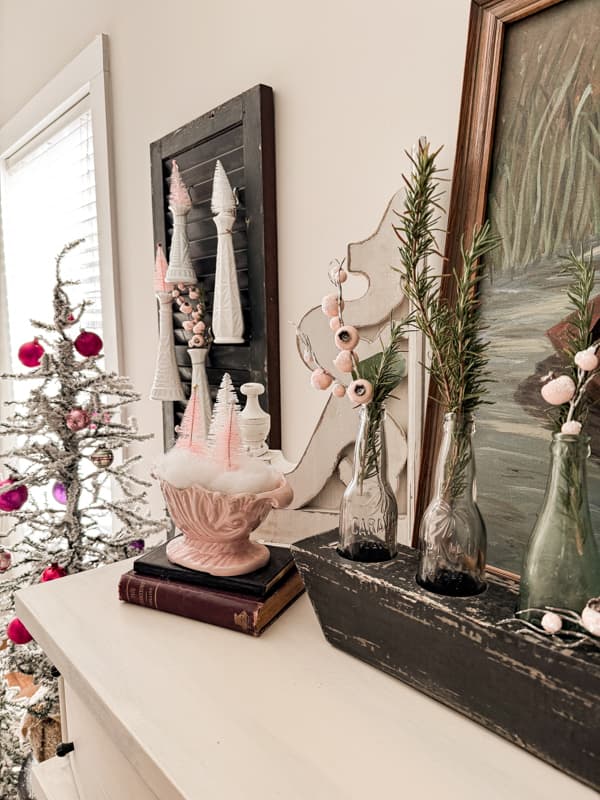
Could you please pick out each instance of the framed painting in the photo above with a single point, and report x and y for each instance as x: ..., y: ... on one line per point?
x: 528, y: 159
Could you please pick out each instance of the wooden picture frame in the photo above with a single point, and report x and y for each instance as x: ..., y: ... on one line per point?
x: 241, y: 133
x: 488, y: 26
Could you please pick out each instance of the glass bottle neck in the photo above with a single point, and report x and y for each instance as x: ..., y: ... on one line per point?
x: 370, y: 457
x: 568, y: 472
x: 456, y: 464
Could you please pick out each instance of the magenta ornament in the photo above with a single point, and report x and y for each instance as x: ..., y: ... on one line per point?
x: 30, y: 354
x: 52, y: 573
x: 59, y: 493
x: 88, y: 344
x: 17, y: 632
x: 5, y: 561
x: 77, y: 419
x: 137, y: 545
x: 13, y: 499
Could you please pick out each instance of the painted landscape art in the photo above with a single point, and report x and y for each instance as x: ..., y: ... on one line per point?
x: 544, y: 199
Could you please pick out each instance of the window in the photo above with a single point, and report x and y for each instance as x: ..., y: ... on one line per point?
x: 49, y: 198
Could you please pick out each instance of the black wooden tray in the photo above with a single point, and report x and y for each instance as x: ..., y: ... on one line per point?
x: 539, y: 697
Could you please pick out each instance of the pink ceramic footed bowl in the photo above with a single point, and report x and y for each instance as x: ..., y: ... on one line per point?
x: 216, y: 527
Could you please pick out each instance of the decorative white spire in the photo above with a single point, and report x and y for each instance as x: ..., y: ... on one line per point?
x: 167, y: 383
x: 180, y: 264
x: 227, y: 320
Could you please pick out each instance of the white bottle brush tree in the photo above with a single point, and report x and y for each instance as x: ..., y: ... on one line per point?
x: 58, y: 469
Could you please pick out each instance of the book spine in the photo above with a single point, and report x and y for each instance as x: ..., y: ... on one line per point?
x: 226, y: 611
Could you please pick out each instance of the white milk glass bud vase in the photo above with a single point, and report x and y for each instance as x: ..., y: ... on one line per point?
x: 166, y: 384
x: 198, y: 357
x: 255, y: 423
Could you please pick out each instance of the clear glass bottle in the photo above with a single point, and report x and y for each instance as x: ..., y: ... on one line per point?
x: 562, y: 564
x: 452, y: 536
x: 369, y: 512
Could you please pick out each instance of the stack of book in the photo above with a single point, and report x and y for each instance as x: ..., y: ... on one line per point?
x: 245, y: 603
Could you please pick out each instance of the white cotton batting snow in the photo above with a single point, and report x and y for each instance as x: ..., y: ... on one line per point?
x: 182, y: 468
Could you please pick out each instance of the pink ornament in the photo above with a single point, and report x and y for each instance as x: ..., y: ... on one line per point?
x: 106, y: 417
x: 188, y: 325
x: 334, y: 323
x: 30, y: 354
x: 175, y: 293
x: 13, y: 499
x: 180, y: 301
x: 338, y: 390
x: 5, y: 560
x: 52, y: 573
x: 181, y: 286
x: 331, y: 306
x: 185, y: 308
x: 590, y: 616
x: 344, y: 361
x: 573, y: 427
x: 195, y: 316
x: 59, y: 493
x: 197, y: 341
x: 346, y: 337
x: 70, y: 319
x: 17, y: 632
x: 199, y: 327
x: 558, y: 391
x: 360, y: 391
x: 194, y: 294
x: 321, y: 379
x: 77, y: 419
x: 88, y: 344
x: 587, y: 360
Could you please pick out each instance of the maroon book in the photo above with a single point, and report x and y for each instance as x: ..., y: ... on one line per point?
x: 238, y: 612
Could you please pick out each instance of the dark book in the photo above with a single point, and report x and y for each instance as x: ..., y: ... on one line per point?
x: 259, y: 583
x: 238, y: 612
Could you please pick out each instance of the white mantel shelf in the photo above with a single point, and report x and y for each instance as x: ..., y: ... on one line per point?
x: 206, y: 713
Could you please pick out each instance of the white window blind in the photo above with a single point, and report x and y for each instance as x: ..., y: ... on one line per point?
x: 48, y: 198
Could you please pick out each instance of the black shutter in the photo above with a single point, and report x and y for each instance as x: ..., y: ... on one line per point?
x: 241, y: 133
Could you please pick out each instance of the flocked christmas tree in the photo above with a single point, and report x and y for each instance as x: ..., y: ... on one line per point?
x: 72, y: 504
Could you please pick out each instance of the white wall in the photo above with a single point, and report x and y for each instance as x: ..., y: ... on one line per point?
x: 355, y: 82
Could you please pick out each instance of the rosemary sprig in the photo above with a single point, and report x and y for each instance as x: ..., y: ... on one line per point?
x: 384, y: 371
x: 453, y: 328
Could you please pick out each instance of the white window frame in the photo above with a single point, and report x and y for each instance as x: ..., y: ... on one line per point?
x: 87, y: 75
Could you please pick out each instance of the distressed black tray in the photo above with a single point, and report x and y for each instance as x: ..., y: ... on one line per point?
x: 537, y: 696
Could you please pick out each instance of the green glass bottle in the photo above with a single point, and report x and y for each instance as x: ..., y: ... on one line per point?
x: 562, y: 563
